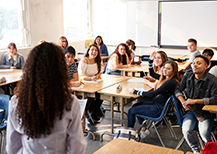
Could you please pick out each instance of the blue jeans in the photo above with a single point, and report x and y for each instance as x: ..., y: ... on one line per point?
x: 147, y: 108
x: 112, y: 72
x: 190, y: 123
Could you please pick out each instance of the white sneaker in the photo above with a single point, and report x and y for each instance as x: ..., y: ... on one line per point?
x: 145, y: 133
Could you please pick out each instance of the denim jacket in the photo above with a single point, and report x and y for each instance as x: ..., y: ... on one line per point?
x: 206, y: 89
x: 6, y: 61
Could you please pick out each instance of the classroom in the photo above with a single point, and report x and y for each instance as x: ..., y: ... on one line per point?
x: 135, y: 67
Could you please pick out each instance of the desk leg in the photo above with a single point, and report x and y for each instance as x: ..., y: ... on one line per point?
x: 112, y: 120
x: 122, y: 111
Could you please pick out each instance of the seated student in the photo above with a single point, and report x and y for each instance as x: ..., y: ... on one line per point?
x: 72, y: 67
x: 156, y: 62
x: 208, y: 53
x: 192, y: 48
x: 90, y: 69
x: 2, y: 80
x: 131, y: 45
x: 12, y: 59
x: 120, y: 58
x: 99, y: 42
x: 165, y: 87
x: 47, y: 120
x: 63, y: 42
x: 195, y: 90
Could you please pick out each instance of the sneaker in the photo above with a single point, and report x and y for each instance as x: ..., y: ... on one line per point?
x: 145, y: 133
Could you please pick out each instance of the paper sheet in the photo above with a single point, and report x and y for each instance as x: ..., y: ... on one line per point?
x: 81, y: 86
x: 82, y: 103
x: 97, y: 81
x: 6, y: 70
x: 136, y: 80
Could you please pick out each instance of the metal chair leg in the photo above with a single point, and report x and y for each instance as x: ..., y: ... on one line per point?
x: 173, y: 134
x: 158, y: 135
x: 180, y: 143
x: 2, y: 142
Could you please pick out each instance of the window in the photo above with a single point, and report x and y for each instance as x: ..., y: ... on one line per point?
x: 75, y: 19
x: 11, y: 23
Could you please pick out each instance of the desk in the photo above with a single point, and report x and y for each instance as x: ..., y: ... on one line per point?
x: 121, y: 146
x: 11, y: 76
x: 90, y: 89
x: 131, y: 71
x: 123, y: 97
x: 210, y: 108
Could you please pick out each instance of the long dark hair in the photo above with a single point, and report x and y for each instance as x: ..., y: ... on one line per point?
x: 100, y: 38
x: 173, y: 76
x: 98, y: 57
x: 124, y: 58
x: 43, y: 92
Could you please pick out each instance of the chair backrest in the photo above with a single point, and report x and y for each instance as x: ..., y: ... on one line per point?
x: 145, y: 57
x: 4, y: 101
x: 166, y: 107
x: 178, y: 109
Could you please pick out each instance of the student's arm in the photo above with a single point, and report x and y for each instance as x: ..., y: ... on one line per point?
x: 75, y: 140
x: 166, y: 86
x: 14, y: 142
x: 186, y: 65
x: 75, y: 77
x: 2, y: 80
x: 151, y: 70
x: 116, y: 64
x: 104, y: 50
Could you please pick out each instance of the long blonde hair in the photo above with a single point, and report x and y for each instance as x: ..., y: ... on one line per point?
x: 173, y: 76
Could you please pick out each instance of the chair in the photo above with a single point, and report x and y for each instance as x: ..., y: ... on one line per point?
x: 179, y: 114
x: 4, y: 101
x: 145, y: 57
x: 158, y: 119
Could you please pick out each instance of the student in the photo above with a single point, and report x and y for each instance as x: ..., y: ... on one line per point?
x: 90, y: 69
x: 164, y: 89
x: 48, y: 120
x: 99, y: 42
x: 156, y: 62
x: 192, y: 48
x: 120, y: 58
x: 63, y: 42
x: 131, y: 45
x: 195, y: 90
x: 208, y: 53
x: 72, y: 67
x: 12, y: 59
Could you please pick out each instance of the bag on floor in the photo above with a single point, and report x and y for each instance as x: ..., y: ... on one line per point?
x: 126, y: 133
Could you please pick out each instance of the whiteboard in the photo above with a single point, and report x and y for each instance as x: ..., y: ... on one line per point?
x: 192, y: 19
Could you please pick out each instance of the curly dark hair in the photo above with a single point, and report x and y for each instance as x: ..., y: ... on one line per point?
x: 124, y: 58
x: 98, y: 57
x: 43, y: 92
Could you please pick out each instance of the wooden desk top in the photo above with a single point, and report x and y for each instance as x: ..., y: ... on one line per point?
x: 210, y: 108
x: 125, y: 89
x: 137, y: 68
x: 121, y: 146
x: 107, y: 80
x: 11, y: 76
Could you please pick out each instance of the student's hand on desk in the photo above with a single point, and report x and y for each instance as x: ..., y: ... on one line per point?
x: 3, y: 80
x: 76, y: 83
x: 94, y: 78
x: 131, y: 91
x: 152, y: 56
x: 12, y: 67
x: 128, y: 65
x: 149, y: 78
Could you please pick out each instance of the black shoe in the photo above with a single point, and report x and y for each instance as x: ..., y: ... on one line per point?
x: 92, y: 122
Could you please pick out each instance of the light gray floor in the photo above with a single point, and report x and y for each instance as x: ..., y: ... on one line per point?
x: 105, y: 125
